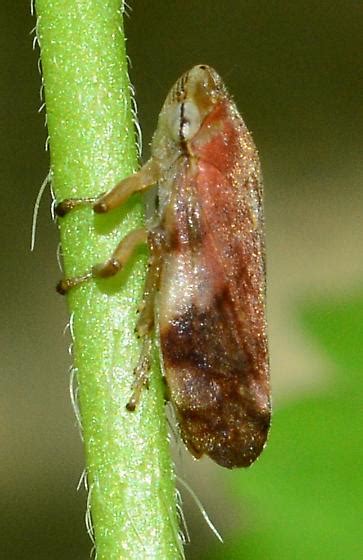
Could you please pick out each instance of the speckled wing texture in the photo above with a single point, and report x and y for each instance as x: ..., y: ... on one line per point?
x: 212, y: 292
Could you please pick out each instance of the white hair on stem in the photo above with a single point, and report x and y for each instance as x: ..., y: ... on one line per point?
x: 184, y: 532
x: 177, y: 533
x: 135, y: 119
x: 73, y: 391
x: 88, y: 516
x: 35, y: 42
x: 200, y: 507
x: 59, y: 256
x: 36, y: 209
x: 82, y: 480
x: 126, y: 8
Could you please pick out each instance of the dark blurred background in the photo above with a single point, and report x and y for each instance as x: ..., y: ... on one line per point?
x: 294, y: 69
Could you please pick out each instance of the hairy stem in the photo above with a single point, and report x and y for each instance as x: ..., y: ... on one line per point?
x: 92, y: 143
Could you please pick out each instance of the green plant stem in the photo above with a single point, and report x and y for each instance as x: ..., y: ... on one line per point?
x: 92, y: 144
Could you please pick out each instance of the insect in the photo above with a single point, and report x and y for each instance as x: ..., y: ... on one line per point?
x: 205, y: 289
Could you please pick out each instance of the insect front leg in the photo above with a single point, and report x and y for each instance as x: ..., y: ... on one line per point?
x: 145, y: 324
x: 147, y: 176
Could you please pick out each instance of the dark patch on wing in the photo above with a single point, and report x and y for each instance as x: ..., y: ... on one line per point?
x: 200, y: 339
x: 213, y: 378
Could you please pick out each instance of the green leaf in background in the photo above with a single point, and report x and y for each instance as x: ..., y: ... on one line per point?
x: 304, y: 498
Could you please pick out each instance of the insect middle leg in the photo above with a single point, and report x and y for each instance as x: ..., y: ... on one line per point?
x: 147, y: 176
x: 112, y: 266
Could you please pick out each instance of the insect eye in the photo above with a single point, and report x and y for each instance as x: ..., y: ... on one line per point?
x: 190, y: 120
x: 183, y: 120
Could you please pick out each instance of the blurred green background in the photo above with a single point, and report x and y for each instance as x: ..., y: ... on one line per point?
x: 294, y: 69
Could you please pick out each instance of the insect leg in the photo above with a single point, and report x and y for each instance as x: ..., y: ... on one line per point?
x: 145, y: 323
x: 144, y: 178
x: 141, y: 373
x: 113, y: 265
